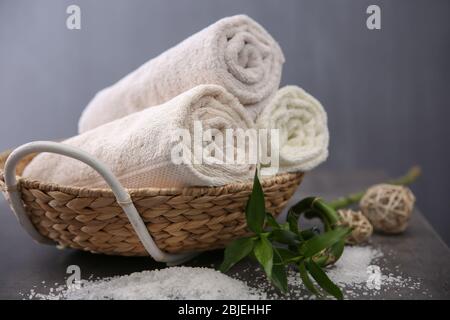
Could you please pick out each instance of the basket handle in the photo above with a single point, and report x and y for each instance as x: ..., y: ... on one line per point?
x: 122, y: 196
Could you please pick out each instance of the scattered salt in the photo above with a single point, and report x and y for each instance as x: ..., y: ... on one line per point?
x: 356, y: 273
x: 352, y: 267
x: 169, y: 283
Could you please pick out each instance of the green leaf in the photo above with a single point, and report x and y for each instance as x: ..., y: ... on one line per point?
x: 285, y: 226
x: 272, y: 222
x: 292, y: 219
x: 264, y: 254
x: 279, y: 276
x: 285, y: 255
x: 236, y: 251
x: 255, y: 212
x: 285, y: 237
x: 308, y: 233
x: 338, y: 249
x: 323, y: 281
x: 323, y: 241
x: 306, y: 279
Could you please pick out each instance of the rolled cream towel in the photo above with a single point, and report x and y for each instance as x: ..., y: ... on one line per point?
x: 303, y: 130
x: 235, y: 53
x: 138, y: 148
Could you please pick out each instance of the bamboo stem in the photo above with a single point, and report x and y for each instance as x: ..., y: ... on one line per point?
x: 408, y: 178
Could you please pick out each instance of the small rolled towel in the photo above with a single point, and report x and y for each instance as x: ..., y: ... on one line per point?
x: 235, y: 53
x: 138, y: 148
x: 303, y: 130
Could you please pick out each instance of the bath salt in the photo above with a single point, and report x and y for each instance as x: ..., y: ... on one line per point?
x: 359, y: 273
x: 171, y: 283
x: 352, y: 267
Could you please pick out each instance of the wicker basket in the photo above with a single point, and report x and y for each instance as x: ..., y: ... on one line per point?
x: 179, y: 220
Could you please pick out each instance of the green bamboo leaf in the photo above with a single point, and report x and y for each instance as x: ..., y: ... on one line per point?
x: 285, y: 237
x: 263, y: 252
x: 236, y: 251
x: 279, y: 276
x: 330, y: 255
x: 272, y: 222
x: 322, y: 280
x: 338, y: 249
x: 255, y: 212
x: 286, y: 255
x: 306, y: 279
x: 308, y: 233
x: 323, y: 241
x: 285, y: 226
x: 292, y: 219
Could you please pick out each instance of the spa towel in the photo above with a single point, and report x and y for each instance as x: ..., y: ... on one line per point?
x: 235, y: 52
x: 138, y: 148
x: 303, y: 130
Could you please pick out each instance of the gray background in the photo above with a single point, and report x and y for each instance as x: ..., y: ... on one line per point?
x: 387, y: 92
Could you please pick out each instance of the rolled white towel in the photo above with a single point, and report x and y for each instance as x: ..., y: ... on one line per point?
x: 303, y: 130
x: 235, y: 52
x: 138, y: 148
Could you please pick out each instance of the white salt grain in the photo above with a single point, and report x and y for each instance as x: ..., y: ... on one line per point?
x: 169, y: 283
x: 352, y: 267
x: 356, y: 272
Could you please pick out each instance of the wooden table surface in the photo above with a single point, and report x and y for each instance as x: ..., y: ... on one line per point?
x: 419, y: 252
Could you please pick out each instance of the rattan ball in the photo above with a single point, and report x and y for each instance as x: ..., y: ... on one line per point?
x: 362, y: 228
x: 388, y: 207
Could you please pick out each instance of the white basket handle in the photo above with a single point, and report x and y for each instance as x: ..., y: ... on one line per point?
x: 122, y: 196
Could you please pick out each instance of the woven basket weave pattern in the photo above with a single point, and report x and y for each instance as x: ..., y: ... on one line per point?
x: 179, y: 220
